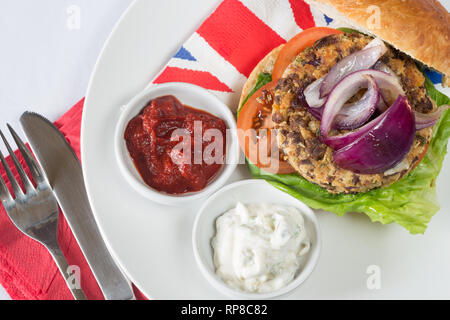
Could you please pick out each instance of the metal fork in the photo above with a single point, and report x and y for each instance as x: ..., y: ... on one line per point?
x: 35, y: 211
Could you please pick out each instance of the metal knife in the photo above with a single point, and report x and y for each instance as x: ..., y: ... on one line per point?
x: 64, y: 173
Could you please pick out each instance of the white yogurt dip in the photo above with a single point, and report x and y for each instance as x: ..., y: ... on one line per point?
x: 259, y: 248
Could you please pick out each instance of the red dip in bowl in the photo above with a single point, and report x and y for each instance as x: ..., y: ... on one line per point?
x: 173, y: 148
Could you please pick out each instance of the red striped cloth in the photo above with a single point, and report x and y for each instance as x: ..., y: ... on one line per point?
x: 238, y: 34
x: 243, y: 50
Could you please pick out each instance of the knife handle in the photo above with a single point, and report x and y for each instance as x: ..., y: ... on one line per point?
x: 63, y: 266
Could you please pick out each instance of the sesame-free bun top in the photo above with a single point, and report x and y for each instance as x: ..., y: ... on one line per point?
x: 419, y: 28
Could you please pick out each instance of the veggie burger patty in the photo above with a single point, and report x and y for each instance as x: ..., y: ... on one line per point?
x: 298, y: 131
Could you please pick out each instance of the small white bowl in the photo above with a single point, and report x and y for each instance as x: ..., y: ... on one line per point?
x: 192, y: 96
x: 249, y: 191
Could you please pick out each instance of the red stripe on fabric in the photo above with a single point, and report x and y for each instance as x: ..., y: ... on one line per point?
x: 239, y: 36
x: 302, y: 14
x: 27, y: 271
x: 200, y: 78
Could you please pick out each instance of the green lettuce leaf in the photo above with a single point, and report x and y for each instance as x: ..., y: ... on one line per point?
x: 410, y: 202
x: 263, y: 79
x: 349, y: 30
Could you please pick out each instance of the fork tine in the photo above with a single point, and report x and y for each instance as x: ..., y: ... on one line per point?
x: 35, y: 169
x: 25, y: 180
x: 5, y: 196
x: 12, y: 179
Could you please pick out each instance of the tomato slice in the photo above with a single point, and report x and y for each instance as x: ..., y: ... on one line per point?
x: 296, y: 45
x: 255, y: 134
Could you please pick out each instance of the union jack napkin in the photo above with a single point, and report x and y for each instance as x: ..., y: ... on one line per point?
x: 222, y: 53
x: 218, y: 57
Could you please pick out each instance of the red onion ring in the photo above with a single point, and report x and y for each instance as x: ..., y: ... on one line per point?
x: 354, y: 115
x: 381, y: 66
x: 351, y: 116
x: 426, y: 120
x: 422, y: 120
x: 312, y: 94
x: 384, y: 145
x: 390, y: 87
x: 344, y: 90
x: 316, y: 112
x: 363, y: 59
x: 385, y: 82
x: 382, y: 105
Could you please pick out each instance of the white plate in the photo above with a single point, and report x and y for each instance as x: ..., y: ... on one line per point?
x: 152, y: 243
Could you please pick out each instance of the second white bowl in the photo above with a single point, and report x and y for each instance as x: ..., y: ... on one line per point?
x: 249, y: 191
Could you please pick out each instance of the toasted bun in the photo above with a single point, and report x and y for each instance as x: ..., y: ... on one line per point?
x: 265, y: 65
x: 419, y: 28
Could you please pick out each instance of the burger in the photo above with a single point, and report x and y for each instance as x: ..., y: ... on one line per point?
x: 351, y: 122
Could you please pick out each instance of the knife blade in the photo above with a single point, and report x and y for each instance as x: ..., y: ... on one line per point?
x: 64, y: 173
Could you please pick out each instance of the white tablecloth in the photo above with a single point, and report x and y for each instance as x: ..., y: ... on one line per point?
x: 48, y: 51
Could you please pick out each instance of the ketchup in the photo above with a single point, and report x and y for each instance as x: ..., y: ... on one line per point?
x: 149, y: 141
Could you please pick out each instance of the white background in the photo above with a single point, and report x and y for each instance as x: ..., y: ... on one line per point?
x: 45, y: 64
